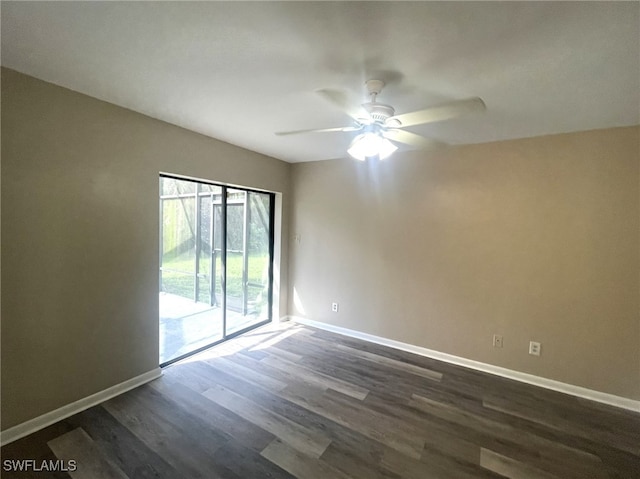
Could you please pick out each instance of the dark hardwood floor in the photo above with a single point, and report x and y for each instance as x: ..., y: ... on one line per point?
x: 292, y: 401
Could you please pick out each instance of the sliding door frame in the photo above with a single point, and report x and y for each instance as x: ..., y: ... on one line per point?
x: 223, y: 257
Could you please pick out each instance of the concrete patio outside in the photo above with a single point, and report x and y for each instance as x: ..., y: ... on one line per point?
x: 186, y: 325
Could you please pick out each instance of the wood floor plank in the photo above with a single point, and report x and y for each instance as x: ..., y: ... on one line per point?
x: 320, y: 379
x: 409, y: 468
x: 402, y: 412
x: 179, y: 418
x: 341, y: 457
x: 372, y: 375
x: 456, y: 468
x: 619, y: 464
x: 361, y: 448
x: 548, y: 455
x: 626, y: 440
x: 441, y: 437
x: 247, y: 374
x: 299, y: 464
x: 196, y: 374
x: 433, y: 466
x: 219, y: 375
x: 306, y: 441
x: 212, y: 416
x: 391, y: 353
x: 263, y: 367
x: 380, y: 359
x: 129, y: 453
x: 367, y: 422
x: 247, y: 463
x: 352, y: 370
x: 511, y: 468
x: 283, y: 353
x: 177, y: 445
x: 445, y: 442
x: 77, y: 446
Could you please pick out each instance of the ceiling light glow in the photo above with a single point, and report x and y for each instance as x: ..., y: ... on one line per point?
x: 371, y: 145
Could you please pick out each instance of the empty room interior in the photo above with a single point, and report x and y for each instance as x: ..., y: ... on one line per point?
x: 320, y: 239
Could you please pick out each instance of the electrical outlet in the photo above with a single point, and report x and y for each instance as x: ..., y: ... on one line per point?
x: 534, y: 348
x: 334, y: 307
x: 497, y: 341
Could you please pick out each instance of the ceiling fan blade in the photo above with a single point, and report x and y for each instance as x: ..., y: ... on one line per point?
x: 412, y: 139
x: 341, y: 100
x: 439, y: 113
x: 321, y: 130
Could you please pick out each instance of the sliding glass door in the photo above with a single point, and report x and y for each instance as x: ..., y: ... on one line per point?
x: 216, y: 250
x: 248, y: 259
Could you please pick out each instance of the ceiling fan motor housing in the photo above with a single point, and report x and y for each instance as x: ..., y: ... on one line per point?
x: 379, y: 112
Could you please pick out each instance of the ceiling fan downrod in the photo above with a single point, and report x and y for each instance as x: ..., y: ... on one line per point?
x: 378, y: 112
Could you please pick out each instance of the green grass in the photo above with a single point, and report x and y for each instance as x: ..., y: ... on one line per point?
x: 183, y: 284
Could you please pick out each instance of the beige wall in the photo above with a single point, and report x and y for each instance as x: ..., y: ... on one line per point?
x: 80, y: 238
x: 534, y: 239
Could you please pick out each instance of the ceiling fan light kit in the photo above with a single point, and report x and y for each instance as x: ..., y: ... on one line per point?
x: 377, y: 123
x: 371, y: 145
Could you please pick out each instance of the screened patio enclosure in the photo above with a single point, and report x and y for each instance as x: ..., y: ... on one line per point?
x: 216, y: 246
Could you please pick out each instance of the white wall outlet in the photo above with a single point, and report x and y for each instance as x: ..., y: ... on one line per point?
x: 534, y: 348
x: 297, y: 239
x: 334, y: 307
x: 497, y: 341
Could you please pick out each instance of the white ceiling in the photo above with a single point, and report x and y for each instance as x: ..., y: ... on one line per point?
x: 240, y: 71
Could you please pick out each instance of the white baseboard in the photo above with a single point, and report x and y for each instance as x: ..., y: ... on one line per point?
x: 578, y: 391
x: 21, y: 430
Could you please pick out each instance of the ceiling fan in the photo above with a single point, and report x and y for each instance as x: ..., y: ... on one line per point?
x: 379, y: 126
